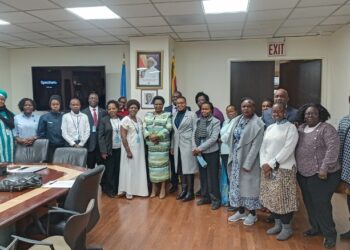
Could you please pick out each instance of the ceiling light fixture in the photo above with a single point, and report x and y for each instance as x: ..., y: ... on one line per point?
x: 225, y: 6
x: 2, y: 22
x: 94, y: 13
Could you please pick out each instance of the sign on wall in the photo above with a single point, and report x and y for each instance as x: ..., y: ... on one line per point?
x: 276, y: 48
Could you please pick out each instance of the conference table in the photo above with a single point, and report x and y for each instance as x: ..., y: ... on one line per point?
x: 14, y: 206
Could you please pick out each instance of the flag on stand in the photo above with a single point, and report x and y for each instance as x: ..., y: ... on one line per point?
x: 123, y: 79
x: 173, y: 77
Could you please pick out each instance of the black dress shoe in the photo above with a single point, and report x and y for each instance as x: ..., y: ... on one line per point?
x: 182, y: 195
x: 345, y: 236
x: 203, y: 202
x: 311, y: 233
x: 110, y: 194
x: 173, y: 189
x: 189, y: 197
x: 215, y: 206
x: 329, y: 243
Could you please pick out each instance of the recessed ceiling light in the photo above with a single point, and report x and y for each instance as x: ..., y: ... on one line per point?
x: 90, y: 13
x: 225, y: 6
x: 2, y: 22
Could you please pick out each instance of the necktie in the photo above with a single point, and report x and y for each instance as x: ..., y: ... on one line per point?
x: 94, y: 116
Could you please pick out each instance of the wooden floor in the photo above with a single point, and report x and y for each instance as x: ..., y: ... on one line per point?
x: 145, y: 223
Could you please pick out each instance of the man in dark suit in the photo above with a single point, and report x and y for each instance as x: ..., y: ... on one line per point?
x: 172, y: 109
x: 94, y: 114
x: 280, y: 96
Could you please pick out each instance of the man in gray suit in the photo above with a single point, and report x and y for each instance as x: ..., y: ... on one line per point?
x: 94, y: 114
x: 280, y: 96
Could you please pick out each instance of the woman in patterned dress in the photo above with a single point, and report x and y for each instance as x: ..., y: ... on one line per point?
x: 278, y: 179
x: 157, y: 127
x: 6, y: 126
x: 244, y: 138
x: 344, y: 159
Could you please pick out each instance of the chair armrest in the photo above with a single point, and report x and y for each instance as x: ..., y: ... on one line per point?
x: 34, y: 242
x: 57, y: 210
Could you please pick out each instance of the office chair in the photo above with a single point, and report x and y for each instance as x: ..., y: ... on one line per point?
x: 85, y: 187
x: 30, y: 154
x: 73, y: 233
x: 73, y: 156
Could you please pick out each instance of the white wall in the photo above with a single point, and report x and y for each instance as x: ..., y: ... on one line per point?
x: 109, y: 56
x: 5, y: 82
x: 201, y: 66
x: 205, y: 66
x: 339, y: 62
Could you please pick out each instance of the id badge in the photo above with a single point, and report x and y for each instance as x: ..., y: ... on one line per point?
x: 116, y: 140
x: 138, y: 140
x: 93, y: 129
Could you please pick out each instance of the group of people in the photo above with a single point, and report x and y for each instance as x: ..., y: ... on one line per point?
x: 264, y: 157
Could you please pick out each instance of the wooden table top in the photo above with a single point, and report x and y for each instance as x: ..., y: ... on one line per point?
x: 16, y: 205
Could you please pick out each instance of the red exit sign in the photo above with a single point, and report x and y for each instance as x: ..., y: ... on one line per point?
x: 276, y: 49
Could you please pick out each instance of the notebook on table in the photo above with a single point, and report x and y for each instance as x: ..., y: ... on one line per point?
x: 25, y: 168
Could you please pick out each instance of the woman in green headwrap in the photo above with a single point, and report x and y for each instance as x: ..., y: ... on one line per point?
x: 6, y: 126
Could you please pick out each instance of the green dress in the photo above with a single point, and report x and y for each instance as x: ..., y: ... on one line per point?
x: 158, y: 154
x: 6, y: 141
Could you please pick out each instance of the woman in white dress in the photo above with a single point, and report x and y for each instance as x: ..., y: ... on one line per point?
x: 133, y: 176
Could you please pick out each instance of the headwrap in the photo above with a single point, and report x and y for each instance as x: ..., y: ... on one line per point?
x: 6, y: 116
x: 3, y: 93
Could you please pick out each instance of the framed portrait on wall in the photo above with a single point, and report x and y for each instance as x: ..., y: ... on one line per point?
x: 149, y: 70
x: 147, y: 96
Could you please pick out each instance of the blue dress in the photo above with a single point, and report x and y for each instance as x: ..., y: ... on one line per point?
x: 236, y: 200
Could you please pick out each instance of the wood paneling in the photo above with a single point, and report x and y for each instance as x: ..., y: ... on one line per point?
x: 302, y: 80
x: 252, y: 79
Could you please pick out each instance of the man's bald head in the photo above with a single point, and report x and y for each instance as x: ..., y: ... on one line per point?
x: 281, y: 96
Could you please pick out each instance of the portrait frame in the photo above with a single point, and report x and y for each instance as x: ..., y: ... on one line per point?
x: 147, y: 96
x: 149, y: 67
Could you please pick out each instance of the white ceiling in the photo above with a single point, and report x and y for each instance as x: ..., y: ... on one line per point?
x: 43, y: 23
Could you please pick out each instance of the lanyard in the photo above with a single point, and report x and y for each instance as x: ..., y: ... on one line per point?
x: 76, y: 125
x: 116, y: 125
x: 136, y: 126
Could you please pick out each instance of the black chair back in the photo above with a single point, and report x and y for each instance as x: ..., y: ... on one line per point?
x: 35, y: 153
x: 85, y: 188
x: 73, y: 156
x: 76, y: 227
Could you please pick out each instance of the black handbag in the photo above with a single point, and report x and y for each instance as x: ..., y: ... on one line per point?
x: 18, y: 182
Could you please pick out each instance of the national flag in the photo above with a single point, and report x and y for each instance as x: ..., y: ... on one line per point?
x: 123, y: 79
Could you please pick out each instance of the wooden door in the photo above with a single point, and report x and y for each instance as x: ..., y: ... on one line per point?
x: 302, y: 80
x: 252, y: 79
